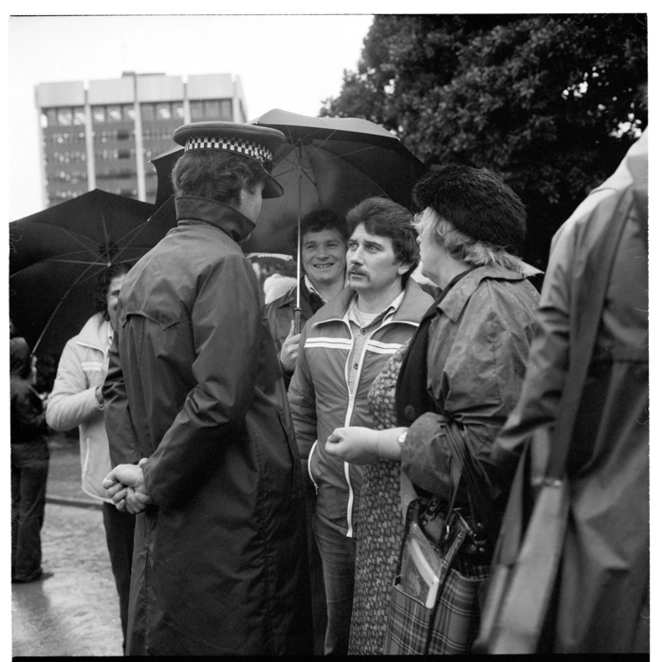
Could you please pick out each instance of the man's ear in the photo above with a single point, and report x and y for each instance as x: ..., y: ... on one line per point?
x: 403, y: 268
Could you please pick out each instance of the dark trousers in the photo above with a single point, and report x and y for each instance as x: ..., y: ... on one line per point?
x: 29, y: 471
x: 318, y: 603
x: 338, y: 555
x: 119, y: 528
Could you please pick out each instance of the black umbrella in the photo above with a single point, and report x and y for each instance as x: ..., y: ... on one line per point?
x: 325, y: 163
x: 56, y: 255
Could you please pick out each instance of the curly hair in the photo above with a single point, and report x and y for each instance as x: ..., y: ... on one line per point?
x: 103, y: 283
x: 317, y: 221
x: 386, y: 218
x: 216, y: 175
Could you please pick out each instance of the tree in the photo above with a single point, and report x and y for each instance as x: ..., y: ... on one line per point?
x: 550, y: 102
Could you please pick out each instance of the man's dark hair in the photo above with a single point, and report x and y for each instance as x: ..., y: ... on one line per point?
x: 386, y: 218
x: 216, y: 175
x: 476, y: 202
x: 103, y: 283
x: 319, y: 220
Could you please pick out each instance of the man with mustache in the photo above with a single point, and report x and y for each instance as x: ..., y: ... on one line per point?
x: 342, y: 349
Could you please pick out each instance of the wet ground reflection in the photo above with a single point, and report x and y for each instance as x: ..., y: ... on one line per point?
x: 74, y: 610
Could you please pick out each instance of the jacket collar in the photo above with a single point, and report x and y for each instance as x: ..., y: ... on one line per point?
x: 94, y: 333
x: 455, y: 300
x: 413, y: 305
x: 222, y: 216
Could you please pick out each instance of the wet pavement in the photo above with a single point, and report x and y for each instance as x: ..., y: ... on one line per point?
x: 73, y: 610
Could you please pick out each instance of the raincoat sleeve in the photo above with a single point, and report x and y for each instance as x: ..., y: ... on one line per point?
x: 302, y: 401
x: 548, y: 361
x: 480, y: 382
x: 227, y: 323
x: 72, y: 399
x: 122, y: 439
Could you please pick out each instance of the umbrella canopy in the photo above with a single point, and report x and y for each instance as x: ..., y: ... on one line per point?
x: 57, y: 254
x: 325, y: 162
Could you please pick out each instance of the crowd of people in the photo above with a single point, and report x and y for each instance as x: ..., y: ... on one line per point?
x: 257, y: 463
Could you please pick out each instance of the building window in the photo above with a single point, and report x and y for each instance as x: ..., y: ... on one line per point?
x: 52, y: 117
x: 164, y: 111
x: 196, y: 108
x: 65, y: 116
x: 147, y: 111
x: 226, y: 110
x: 177, y: 110
x: 212, y: 110
x: 79, y: 116
x: 128, y: 113
x: 114, y: 114
x: 98, y: 114
x: 124, y: 153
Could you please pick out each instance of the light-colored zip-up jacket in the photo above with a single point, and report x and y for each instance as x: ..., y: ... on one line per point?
x: 320, y: 399
x: 83, y: 366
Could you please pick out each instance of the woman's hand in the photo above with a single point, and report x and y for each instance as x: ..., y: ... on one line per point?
x: 355, y: 445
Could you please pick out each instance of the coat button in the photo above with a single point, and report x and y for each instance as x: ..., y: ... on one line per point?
x: 409, y: 412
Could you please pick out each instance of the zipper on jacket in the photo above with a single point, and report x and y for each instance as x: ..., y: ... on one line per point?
x: 311, y: 453
x: 351, y: 407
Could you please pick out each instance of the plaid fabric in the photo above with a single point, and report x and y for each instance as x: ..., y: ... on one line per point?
x: 457, y: 618
x: 447, y: 629
x: 408, y: 623
x: 453, y: 624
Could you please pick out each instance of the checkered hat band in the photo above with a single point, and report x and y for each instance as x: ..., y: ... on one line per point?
x: 244, y: 147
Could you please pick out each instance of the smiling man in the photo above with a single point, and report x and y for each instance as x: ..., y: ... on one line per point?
x: 323, y: 252
x: 342, y: 349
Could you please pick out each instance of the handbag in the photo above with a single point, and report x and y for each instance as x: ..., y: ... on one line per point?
x: 443, y: 565
x: 529, y: 548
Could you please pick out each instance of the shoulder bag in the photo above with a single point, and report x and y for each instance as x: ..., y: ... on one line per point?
x: 529, y: 547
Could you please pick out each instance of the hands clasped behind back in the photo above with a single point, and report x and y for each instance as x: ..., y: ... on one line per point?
x: 125, y: 485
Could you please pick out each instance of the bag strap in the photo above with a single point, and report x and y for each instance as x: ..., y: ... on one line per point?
x: 476, y: 481
x: 582, y: 348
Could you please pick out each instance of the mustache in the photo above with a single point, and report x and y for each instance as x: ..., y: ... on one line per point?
x: 356, y: 271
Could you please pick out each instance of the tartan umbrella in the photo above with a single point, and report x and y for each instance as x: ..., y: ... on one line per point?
x: 56, y: 255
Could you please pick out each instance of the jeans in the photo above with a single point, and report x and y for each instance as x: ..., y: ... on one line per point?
x: 316, y: 580
x: 29, y: 471
x: 338, y: 555
x: 119, y: 528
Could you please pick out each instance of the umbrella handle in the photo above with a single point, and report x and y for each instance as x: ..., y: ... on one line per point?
x: 297, y: 327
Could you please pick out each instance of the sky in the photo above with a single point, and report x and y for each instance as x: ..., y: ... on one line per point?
x: 287, y: 61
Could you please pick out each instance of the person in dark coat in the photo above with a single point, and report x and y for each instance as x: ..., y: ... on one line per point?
x: 603, y: 598
x: 194, y: 395
x: 29, y: 465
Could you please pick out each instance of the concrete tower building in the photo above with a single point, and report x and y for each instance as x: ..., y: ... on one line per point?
x: 103, y: 133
